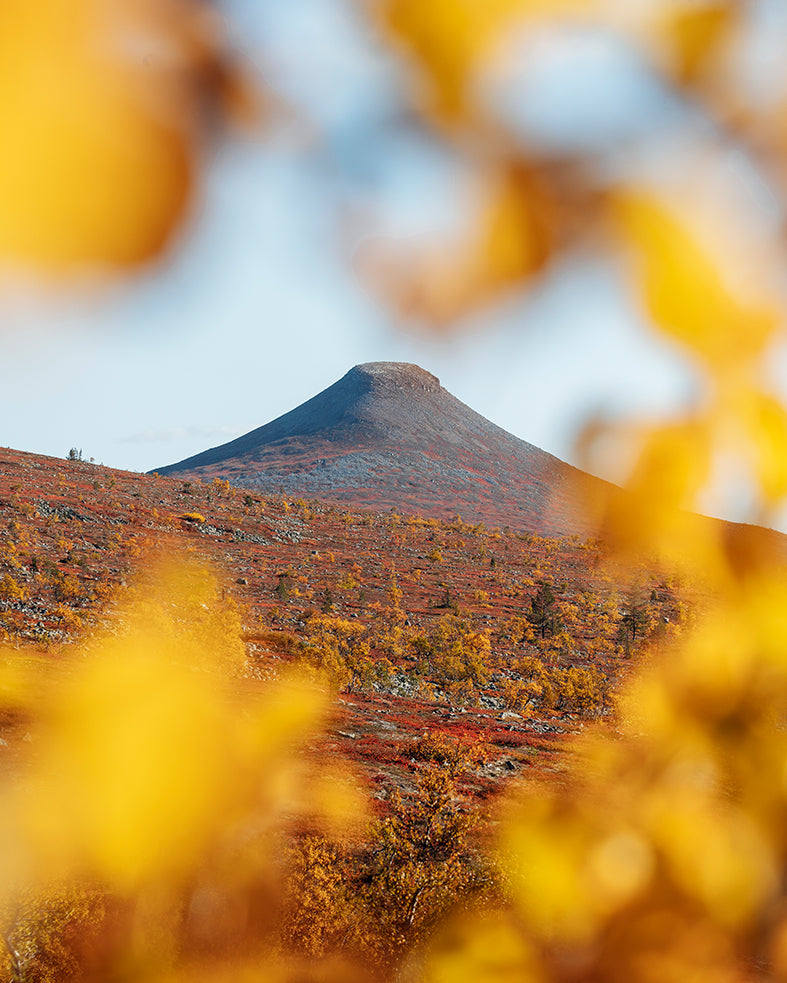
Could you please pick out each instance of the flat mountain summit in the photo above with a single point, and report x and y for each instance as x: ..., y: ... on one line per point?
x: 387, y: 434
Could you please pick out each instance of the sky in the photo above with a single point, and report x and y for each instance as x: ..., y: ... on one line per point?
x: 257, y: 306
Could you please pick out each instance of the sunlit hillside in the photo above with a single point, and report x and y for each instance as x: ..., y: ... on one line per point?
x: 455, y: 654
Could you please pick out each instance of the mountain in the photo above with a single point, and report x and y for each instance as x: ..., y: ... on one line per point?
x: 387, y: 434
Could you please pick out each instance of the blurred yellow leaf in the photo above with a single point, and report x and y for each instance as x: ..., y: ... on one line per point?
x: 101, y: 108
x: 673, y: 465
x: 620, y: 866
x: 572, y: 861
x: 485, y: 945
x: 764, y: 423
x: 14, y: 680
x: 146, y: 761
x: 716, y: 855
x: 692, y: 32
x: 541, y: 855
x: 207, y: 631
x: 450, y: 38
x: 654, y: 516
x: 687, y: 293
x: 667, y: 945
x: 509, y: 240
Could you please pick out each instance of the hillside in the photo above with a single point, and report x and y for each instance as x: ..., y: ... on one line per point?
x: 423, y: 626
x: 388, y: 434
x: 460, y: 662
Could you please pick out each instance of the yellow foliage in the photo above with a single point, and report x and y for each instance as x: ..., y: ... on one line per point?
x: 101, y: 112
x: 10, y: 589
x: 448, y: 752
x: 509, y: 239
x: 220, y: 486
x: 66, y: 587
x: 337, y: 648
x: 688, y: 291
x: 456, y: 657
x: 421, y: 861
x: 763, y: 423
x: 693, y: 33
x: 151, y: 756
x: 452, y: 38
x: 68, y: 618
x: 481, y: 945
x: 9, y: 555
x: 39, y: 932
x: 316, y: 910
x: 192, y: 517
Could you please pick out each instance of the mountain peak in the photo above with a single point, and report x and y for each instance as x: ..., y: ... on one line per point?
x: 401, y: 375
x: 388, y: 434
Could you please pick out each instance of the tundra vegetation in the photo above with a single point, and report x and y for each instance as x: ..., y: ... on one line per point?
x: 519, y: 656
x: 322, y: 601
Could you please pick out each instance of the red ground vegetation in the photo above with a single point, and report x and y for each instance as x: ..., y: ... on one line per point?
x: 423, y: 626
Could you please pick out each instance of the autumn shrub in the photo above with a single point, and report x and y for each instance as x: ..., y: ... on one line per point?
x: 316, y: 904
x: 339, y: 649
x: 422, y: 864
x: 456, y: 754
x: 530, y: 687
x: 56, y: 936
x: 534, y: 686
x: 66, y: 588
x: 372, y: 899
x: 582, y: 691
x: 9, y: 555
x: 455, y: 657
x: 68, y: 619
x: 195, y: 517
x: 10, y: 589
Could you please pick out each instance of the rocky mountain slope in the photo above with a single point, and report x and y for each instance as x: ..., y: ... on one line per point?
x: 388, y: 434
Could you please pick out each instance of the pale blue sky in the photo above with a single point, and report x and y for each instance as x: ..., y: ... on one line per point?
x: 257, y: 307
